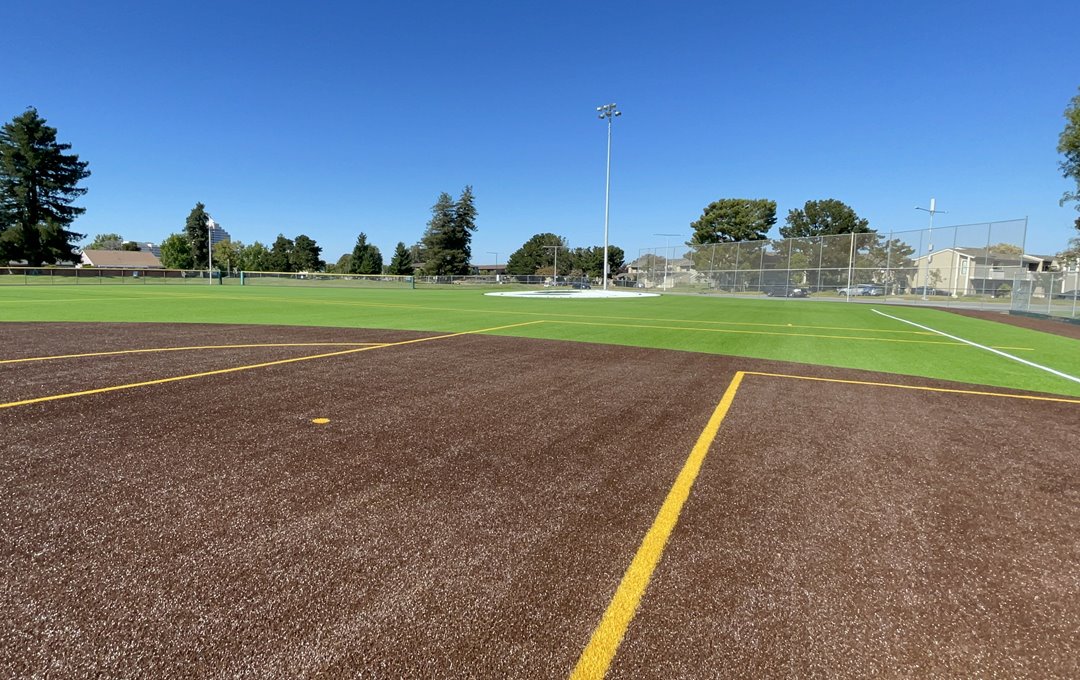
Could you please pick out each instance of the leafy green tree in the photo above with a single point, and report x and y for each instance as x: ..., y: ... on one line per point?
x: 342, y: 266
x: 196, y: 229
x: 366, y: 258
x: 38, y: 184
x: 1069, y: 146
x: 254, y: 258
x: 176, y: 252
x: 130, y: 246
x: 401, y: 264
x: 734, y: 219
x: 280, y: 257
x: 532, y: 256
x: 823, y: 218
x: 305, y: 255
x: 106, y: 242
x: 590, y: 261
x: 228, y: 255
x: 1006, y: 249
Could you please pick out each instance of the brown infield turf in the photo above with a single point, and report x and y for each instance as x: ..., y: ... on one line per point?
x: 471, y: 506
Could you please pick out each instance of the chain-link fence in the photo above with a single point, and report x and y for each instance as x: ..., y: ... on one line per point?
x: 976, y: 265
x: 1052, y: 293
x: 97, y: 275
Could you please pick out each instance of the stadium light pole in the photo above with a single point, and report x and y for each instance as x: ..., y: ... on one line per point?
x: 210, y: 248
x: 607, y: 111
x: 492, y: 252
x: 666, y: 258
x: 930, y: 247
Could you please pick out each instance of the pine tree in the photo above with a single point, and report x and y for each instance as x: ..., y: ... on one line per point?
x: 439, y: 259
x: 197, y: 231
x: 447, y: 240
x: 366, y: 258
x: 401, y: 264
x: 38, y: 183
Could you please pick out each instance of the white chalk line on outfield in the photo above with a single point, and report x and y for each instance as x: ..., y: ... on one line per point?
x: 988, y: 349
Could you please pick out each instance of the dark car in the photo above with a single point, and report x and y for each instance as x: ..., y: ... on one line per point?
x: 580, y: 285
x: 927, y: 290
x: 786, y: 291
x: 1068, y: 295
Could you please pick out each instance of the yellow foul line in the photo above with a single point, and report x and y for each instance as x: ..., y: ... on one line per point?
x: 605, y: 640
x: 946, y: 390
x: 183, y: 349
x: 280, y: 362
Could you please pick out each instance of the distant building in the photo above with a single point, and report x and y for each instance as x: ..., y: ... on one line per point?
x: 149, y: 247
x: 217, y: 234
x: 977, y: 271
x: 120, y: 259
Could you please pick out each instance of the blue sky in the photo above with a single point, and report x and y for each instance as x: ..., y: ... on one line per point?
x: 332, y: 118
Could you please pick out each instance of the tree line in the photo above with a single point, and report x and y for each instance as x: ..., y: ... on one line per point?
x: 40, y: 181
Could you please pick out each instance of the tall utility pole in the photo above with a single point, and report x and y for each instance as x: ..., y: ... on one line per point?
x: 930, y: 249
x: 555, y: 267
x: 210, y: 248
x: 607, y: 111
x: 492, y: 252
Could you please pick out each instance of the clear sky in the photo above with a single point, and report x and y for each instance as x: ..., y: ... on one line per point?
x: 332, y: 118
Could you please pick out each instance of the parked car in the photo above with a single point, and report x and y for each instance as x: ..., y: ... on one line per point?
x: 1068, y: 295
x: 580, y: 285
x: 862, y: 289
x: 786, y: 291
x: 927, y: 290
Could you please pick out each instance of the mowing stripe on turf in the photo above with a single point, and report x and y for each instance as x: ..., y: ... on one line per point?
x: 184, y: 349
x: 1030, y: 397
x: 605, y: 640
x: 988, y: 349
x: 774, y: 333
x: 235, y: 369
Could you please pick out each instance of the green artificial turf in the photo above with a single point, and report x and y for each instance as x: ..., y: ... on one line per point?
x: 830, y: 333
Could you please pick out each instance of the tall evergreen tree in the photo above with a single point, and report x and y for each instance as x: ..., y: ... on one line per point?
x: 197, y: 231
x: 439, y: 261
x: 38, y: 183
x: 401, y: 264
x: 447, y: 242
x: 366, y: 258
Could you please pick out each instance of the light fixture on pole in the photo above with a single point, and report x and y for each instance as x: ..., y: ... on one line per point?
x: 555, y: 267
x: 607, y: 111
x: 666, y: 258
x: 930, y: 248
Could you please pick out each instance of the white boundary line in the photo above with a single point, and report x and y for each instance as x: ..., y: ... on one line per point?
x: 988, y: 349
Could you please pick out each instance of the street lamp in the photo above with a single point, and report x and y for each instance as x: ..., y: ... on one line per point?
x: 555, y: 268
x: 930, y: 247
x: 666, y: 258
x: 607, y: 111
